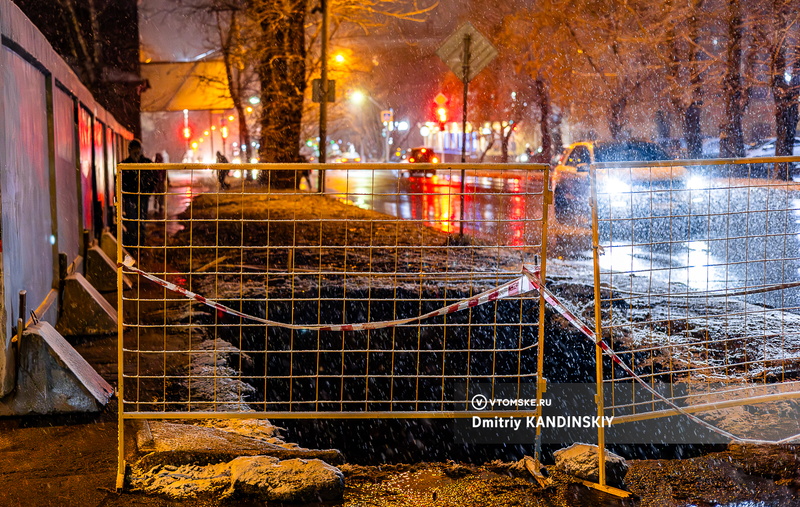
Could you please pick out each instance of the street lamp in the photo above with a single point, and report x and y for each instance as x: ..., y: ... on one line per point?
x: 386, y: 118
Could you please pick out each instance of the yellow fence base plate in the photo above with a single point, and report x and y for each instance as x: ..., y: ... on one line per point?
x: 605, y: 488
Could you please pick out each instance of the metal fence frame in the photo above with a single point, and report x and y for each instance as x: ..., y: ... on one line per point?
x: 484, y: 169
x: 603, y: 304
x: 599, y: 317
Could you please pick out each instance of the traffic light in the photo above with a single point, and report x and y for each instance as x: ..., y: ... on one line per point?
x: 441, y: 116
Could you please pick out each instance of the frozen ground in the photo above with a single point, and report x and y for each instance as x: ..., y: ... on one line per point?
x: 72, y: 462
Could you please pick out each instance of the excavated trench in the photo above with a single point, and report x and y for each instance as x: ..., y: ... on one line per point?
x: 331, y: 367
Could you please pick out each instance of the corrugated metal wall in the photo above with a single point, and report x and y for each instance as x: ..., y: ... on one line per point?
x: 56, y: 171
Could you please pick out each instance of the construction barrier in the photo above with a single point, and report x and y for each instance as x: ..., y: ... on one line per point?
x: 697, y: 292
x: 396, y: 292
x: 401, y: 293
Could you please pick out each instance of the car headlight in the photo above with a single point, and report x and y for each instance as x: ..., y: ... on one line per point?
x: 697, y: 183
x: 614, y: 186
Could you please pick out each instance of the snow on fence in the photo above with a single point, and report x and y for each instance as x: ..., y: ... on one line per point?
x: 386, y: 242
x: 697, y: 289
x: 381, y: 298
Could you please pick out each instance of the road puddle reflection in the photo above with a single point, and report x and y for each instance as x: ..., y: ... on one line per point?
x: 505, y: 210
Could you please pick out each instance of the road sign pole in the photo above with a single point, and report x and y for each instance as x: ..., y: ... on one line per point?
x: 466, y: 52
x: 465, y: 60
x: 323, y: 103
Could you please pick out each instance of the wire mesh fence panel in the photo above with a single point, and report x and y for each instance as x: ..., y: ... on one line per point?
x: 699, y: 283
x: 272, y: 266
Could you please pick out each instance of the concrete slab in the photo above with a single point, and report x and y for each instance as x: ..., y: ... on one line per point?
x: 84, y: 311
x: 108, y: 244
x: 101, y: 272
x: 52, y: 378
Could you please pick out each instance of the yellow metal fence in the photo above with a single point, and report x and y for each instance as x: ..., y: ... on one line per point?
x: 384, y: 242
x: 698, y: 284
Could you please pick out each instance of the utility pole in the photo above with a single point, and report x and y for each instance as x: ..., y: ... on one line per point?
x: 323, y: 103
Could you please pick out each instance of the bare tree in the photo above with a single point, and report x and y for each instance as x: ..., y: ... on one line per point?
x: 784, y: 66
x: 731, y: 135
x: 236, y: 68
x: 282, y: 73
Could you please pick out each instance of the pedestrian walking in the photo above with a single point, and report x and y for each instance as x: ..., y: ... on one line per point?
x: 161, y: 186
x: 222, y: 173
x: 137, y: 186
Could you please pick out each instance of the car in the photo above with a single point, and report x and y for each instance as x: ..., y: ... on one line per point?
x: 350, y: 157
x: 570, y: 176
x: 767, y: 148
x: 246, y: 174
x: 423, y: 155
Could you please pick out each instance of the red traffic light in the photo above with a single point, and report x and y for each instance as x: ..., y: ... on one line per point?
x: 441, y: 116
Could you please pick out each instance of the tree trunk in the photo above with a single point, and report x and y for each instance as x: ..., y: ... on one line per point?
x: 544, y: 120
x: 84, y: 57
x: 488, y: 147
x: 282, y: 72
x: 505, y: 137
x: 731, y: 135
x: 555, y: 132
x: 785, y: 92
x: 786, y: 117
x: 231, y: 46
x: 616, y: 121
x: 692, y: 127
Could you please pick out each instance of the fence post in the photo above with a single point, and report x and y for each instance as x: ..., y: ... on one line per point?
x: 598, y: 328
x: 120, y: 482
x: 541, y: 382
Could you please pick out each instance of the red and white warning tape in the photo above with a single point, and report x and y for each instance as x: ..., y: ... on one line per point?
x: 550, y: 298
x: 529, y: 281
x: 513, y: 288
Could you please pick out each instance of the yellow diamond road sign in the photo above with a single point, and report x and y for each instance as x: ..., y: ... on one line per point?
x: 467, y: 45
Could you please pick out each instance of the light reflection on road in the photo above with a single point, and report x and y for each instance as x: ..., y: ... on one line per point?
x: 501, y: 208
x: 729, y: 238
x: 183, y: 187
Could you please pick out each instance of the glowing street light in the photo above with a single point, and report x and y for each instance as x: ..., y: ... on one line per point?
x: 357, y: 97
